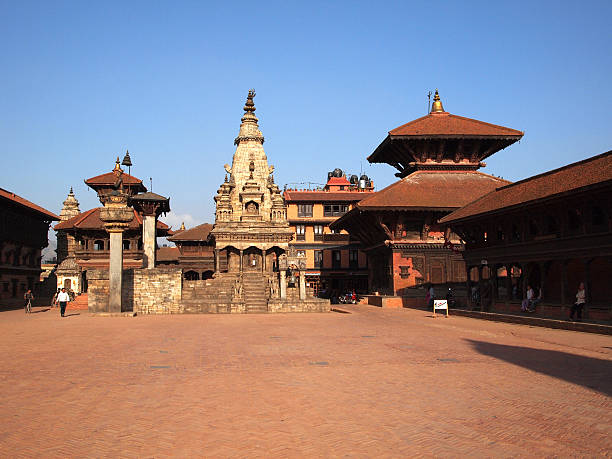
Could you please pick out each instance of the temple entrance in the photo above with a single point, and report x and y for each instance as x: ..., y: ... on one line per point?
x: 252, y: 259
x: 84, y: 282
x: 67, y: 284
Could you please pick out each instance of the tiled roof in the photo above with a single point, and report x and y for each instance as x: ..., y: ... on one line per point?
x: 445, y: 124
x: 570, y: 178
x: 167, y: 254
x: 110, y: 178
x: 25, y: 203
x: 197, y: 233
x: 338, y: 181
x: 324, y: 196
x: 90, y: 220
x: 433, y: 189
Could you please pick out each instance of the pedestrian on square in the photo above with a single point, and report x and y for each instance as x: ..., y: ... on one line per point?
x: 54, y: 300
x: 62, y: 299
x: 429, y: 297
x: 579, y: 304
x: 28, y: 297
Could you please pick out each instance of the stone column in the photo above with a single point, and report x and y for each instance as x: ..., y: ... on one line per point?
x: 283, y: 284
x: 217, y: 261
x: 241, y: 260
x: 115, y: 273
x: 263, y: 260
x: 149, y: 241
x: 302, y: 285
x: 116, y: 217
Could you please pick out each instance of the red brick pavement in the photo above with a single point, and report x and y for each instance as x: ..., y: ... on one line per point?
x: 382, y: 383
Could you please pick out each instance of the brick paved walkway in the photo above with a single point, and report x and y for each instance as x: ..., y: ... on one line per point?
x: 374, y: 383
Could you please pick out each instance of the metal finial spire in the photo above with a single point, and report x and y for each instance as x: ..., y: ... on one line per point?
x: 127, y: 161
x: 437, y: 104
x: 117, y: 165
x: 249, y: 106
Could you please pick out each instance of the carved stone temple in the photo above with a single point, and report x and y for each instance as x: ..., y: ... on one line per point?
x: 251, y: 236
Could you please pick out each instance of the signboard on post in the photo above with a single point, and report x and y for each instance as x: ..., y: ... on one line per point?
x: 440, y: 304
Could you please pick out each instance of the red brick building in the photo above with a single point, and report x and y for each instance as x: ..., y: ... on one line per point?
x: 551, y: 231
x: 437, y: 157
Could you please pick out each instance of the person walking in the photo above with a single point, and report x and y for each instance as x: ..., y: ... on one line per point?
x: 54, y: 300
x: 579, y: 304
x: 62, y: 299
x: 28, y: 297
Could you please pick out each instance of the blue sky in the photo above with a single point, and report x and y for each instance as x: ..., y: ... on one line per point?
x: 83, y: 81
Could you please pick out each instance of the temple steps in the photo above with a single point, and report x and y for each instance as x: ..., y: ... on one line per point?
x: 80, y: 303
x: 254, y: 290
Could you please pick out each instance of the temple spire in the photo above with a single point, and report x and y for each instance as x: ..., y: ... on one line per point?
x: 249, y: 129
x: 436, y: 107
x: 71, y: 207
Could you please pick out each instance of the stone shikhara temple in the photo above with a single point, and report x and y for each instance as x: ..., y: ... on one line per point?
x: 254, y: 270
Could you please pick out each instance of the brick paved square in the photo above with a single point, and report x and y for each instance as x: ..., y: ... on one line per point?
x: 373, y: 383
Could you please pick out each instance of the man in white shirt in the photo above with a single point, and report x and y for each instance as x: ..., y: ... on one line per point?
x: 63, y: 298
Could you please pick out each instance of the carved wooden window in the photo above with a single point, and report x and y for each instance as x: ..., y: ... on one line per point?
x: 597, y: 216
x: 336, y: 259
x: 318, y: 232
x: 574, y: 219
x: 353, y: 258
x: 334, y: 210
x: 300, y: 232
x: 318, y: 258
x: 98, y: 245
x: 304, y: 210
x: 404, y: 272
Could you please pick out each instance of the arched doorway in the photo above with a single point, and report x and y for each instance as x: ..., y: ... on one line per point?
x: 191, y: 275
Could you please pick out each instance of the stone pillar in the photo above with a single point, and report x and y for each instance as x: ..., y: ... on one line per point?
x: 302, y: 285
x: 217, y: 261
x: 116, y: 216
x: 241, y: 260
x: 149, y: 241
x: 115, y: 273
x: 263, y: 260
x: 283, y: 284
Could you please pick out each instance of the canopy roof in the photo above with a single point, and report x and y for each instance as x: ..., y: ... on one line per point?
x: 90, y: 220
x: 440, y: 190
x: 443, y: 141
x: 22, y: 202
x: 574, y: 177
x: 197, y: 233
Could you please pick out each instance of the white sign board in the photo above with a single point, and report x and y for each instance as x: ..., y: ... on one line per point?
x: 440, y: 304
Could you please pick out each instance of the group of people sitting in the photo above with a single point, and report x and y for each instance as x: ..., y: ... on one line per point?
x: 530, y: 302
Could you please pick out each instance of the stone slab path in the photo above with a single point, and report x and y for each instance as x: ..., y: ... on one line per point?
x: 372, y: 383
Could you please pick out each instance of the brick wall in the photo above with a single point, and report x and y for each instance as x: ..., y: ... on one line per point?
x: 145, y: 291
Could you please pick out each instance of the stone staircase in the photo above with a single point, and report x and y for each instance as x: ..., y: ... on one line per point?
x: 80, y: 303
x: 255, y: 292
x: 211, y: 295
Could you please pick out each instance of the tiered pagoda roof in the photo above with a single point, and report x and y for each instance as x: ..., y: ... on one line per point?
x: 441, y: 140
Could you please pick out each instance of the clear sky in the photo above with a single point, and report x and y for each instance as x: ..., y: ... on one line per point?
x: 82, y: 81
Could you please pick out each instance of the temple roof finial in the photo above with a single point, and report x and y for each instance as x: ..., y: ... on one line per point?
x: 182, y: 228
x: 249, y: 106
x: 117, y: 165
x: 127, y: 161
x: 436, y: 107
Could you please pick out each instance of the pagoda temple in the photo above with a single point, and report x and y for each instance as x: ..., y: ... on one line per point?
x: 437, y: 157
x: 83, y: 243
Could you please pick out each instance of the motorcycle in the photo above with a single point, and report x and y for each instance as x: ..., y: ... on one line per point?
x: 348, y: 298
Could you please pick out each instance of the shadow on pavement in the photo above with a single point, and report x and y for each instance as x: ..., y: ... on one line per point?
x: 73, y: 314
x: 588, y: 372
